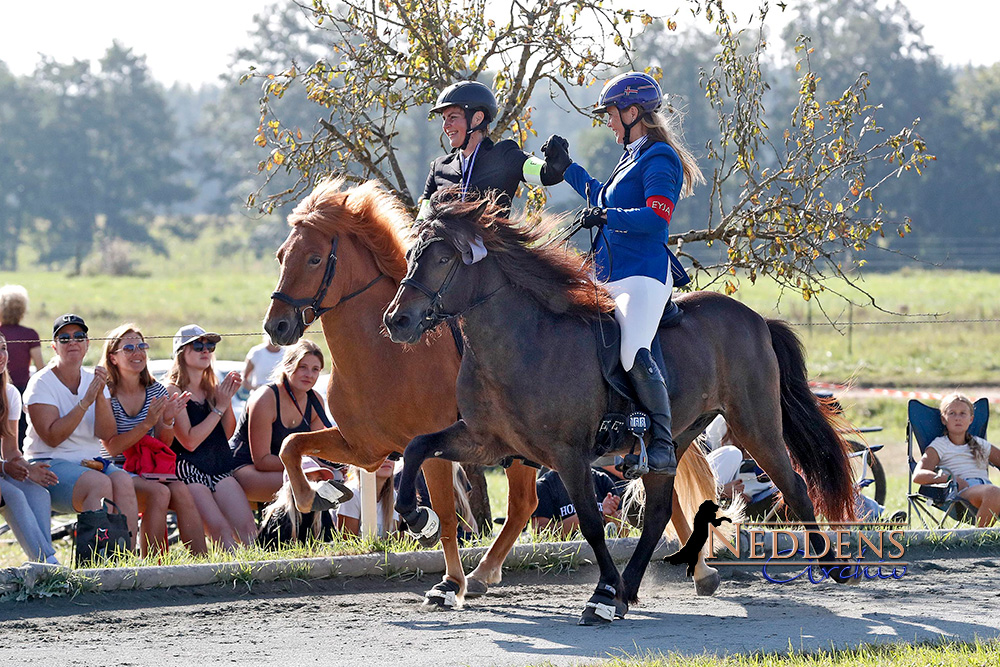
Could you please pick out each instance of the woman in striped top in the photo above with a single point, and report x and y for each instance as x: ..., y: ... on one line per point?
x: 142, y: 406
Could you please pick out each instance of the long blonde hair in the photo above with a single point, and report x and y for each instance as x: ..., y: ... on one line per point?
x: 979, y: 453
x: 668, y: 130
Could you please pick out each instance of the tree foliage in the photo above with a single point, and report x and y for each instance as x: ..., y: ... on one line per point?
x: 391, y: 56
x: 793, y: 202
x: 93, y: 155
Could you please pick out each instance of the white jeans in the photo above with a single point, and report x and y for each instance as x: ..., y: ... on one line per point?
x: 639, y: 304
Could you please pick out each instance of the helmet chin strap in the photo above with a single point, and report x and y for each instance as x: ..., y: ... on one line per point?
x: 469, y: 113
x: 628, y: 128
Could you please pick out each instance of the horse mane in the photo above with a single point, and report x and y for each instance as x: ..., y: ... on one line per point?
x: 368, y: 212
x: 559, y: 279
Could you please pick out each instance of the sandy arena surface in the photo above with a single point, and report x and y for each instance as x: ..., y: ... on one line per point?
x: 529, y: 619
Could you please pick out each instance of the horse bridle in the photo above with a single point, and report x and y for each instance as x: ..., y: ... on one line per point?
x: 314, y: 305
x: 434, y: 314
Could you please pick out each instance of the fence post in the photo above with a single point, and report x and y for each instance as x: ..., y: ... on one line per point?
x: 369, y: 502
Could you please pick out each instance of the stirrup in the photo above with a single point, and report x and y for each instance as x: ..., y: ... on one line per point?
x: 632, y: 465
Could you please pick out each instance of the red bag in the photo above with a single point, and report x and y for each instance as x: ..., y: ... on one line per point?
x: 150, y: 456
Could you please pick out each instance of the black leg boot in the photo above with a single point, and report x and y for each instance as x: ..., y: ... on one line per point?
x: 651, y: 389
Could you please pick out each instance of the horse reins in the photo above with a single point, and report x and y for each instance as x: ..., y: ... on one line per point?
x: 314, y: 305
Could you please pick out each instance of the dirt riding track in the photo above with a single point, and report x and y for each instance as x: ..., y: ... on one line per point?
x: 530, y: 619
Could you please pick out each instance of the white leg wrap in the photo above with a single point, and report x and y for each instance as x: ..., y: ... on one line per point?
x: 431, y: 527
x: 605, y: 611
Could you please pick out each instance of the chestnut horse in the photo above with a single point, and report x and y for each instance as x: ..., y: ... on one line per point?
x: 531, y: 384
x: 341, y: 264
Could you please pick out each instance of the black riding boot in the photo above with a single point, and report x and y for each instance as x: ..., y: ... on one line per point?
x: 651, y: 389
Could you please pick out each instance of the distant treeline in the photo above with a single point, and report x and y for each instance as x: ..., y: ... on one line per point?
x: 92, y: 153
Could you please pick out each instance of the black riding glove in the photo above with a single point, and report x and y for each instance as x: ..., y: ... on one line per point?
x: 589, y: 218
x: 556, y: 152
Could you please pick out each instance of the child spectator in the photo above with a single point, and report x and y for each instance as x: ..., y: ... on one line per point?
x: 349, y: 512
x: 21, y: 355
x: 201, y: 438
x: 69, y: 412
x: 966, y: 458
x: 284, y: 524
x: 143, y: 407
x: 24, y: 502
x: 282, y: 407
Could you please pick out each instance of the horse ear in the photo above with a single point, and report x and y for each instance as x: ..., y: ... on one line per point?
x: 478, y: 213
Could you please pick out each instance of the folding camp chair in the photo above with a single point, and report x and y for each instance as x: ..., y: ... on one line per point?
x: 923, y: 425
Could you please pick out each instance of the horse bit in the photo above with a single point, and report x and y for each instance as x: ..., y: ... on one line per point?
x: 314, y: 305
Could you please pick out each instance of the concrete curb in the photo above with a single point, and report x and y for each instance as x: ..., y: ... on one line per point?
x: 522, y: 555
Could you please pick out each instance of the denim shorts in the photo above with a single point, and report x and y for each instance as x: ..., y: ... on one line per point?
x: 68, y: 472
x: 976, y: 481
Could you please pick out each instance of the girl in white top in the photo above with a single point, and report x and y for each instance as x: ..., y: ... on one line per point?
x: 967, y: 458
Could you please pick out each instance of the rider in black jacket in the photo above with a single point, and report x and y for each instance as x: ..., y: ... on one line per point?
x: 475, y: 163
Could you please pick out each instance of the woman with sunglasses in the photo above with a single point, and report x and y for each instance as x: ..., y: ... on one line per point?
x: 142, y: 406
x: 201, y: 438
x: 284, y: 406
x: 69, y: 412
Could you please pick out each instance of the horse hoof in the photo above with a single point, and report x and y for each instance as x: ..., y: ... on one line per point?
x: 621, y: 608
x: 475, y: 588
x: 443, y: 596
x: 707, y: 585
x: 329, y: 495
x: 595, y: 616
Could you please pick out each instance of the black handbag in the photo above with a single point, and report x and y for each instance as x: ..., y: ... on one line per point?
x: 100, y: 535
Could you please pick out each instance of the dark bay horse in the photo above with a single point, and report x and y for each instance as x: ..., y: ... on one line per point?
x: 530, y: 383
x: 341, y: 264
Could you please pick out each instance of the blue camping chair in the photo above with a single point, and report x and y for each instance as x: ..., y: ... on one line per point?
x: 923, y: 425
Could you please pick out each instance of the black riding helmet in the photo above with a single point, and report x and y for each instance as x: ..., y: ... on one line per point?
x: 471, y: 96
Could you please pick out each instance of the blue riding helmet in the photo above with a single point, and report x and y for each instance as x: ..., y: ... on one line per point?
x: 627, y: 89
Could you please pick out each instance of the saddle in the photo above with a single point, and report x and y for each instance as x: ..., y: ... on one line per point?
x: 608, y: 335
x: 616, y: 425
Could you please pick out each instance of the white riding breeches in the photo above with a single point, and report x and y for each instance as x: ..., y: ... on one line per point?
x: 639, y: 304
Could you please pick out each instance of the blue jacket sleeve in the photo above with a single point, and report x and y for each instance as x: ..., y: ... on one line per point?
x: 662, y: 177
x: 578, y: 177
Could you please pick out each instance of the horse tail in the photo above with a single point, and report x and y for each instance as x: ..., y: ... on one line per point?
x: 810, y: 429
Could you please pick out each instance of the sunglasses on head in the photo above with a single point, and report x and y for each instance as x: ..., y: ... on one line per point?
x: 141, y: 347
x: 201, y: 345
x: 78, y: 336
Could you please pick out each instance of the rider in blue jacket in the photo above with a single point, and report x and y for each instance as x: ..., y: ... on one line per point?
x: 632, y: 210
